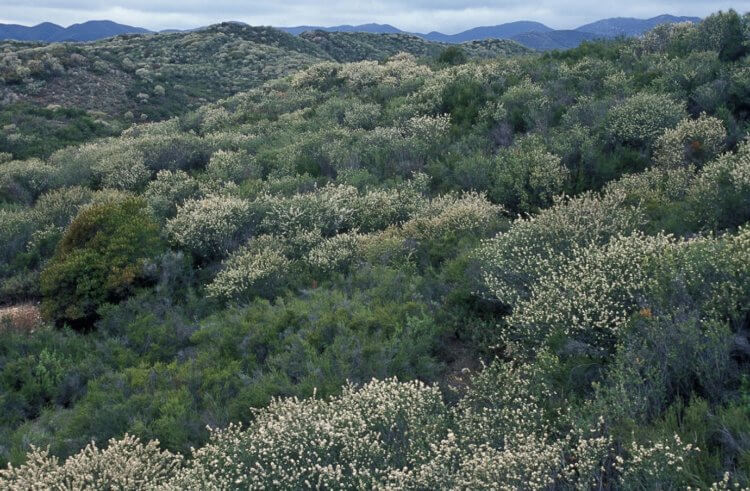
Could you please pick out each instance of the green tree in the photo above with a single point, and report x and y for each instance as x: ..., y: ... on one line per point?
x: 101, y: 258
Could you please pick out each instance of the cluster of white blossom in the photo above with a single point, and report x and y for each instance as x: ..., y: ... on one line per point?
x: 351, y: 441
x: 232, y: 166
x: 527, y: 176
x: 58, y: 207
x: 515, y: 260
x: 654, y: 464
x: 209, y: 226
x: 692, y: 141
x: 724, y: 178
x: 255, y: 268
x: 452, y: 214
x: 640, y: 119
x: 125, y: 464
x: 168, y: 191
x: 589, y: 297
x: 400, y: 70
x: 26, y: 179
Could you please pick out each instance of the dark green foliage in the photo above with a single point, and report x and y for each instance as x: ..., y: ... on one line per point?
x: 102, y: 258
x: 453, y: 55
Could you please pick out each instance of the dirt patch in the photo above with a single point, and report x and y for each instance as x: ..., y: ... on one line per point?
x: 25, y: 317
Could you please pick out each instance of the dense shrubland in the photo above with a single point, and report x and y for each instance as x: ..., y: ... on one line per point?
x: 528, y: 271
x: 61, y: 94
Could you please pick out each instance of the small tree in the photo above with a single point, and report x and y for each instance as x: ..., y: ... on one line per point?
x: 101, y: 258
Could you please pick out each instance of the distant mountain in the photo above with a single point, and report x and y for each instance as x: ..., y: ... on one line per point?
x: 502, y: 31
x: 533, y: 35
x: 41, y: 32
x: 530, y: 34
x: 369, y: 28
x: 625, y: 26
x: 546, y: 41
x: 48, y: 32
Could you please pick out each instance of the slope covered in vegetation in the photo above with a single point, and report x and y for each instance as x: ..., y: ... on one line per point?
x: 532, y: 271
x: 53, y: 95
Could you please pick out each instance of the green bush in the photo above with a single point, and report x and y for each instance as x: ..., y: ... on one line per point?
x: 102, y: 258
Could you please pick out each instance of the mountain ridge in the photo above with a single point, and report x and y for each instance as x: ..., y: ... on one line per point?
x: 92, y: 30
x: 531, y: 34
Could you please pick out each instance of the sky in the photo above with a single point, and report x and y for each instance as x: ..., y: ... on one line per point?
x: 447, y: 16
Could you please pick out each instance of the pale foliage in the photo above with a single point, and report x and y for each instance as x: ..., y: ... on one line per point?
x: 255, y: 268
x: 210, y: 225
x: 640, y: 119
x: 693, y: 141
x: 124, y: 464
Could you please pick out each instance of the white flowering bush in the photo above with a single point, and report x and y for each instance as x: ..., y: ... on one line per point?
x: 527, y: 176
x: 335, y: 253
x: 451, y: 215
x: 255, y: 269
x: 515, y: 260
x: 362, y: 115
x: 58, y: 207
x: 590, y: 297
x: 640, y: 119
x: 210, y: 226
x: 124, y: 464
x: 350, y: 441
x: 526, y: 105
x: 25, y: 180
x: 232, y: 166
x: 122, y: 169
x: 725, y: 183
x: 655, y: 464
x: 691, y: 142
x: 169, y: 190
x: 328, y: 209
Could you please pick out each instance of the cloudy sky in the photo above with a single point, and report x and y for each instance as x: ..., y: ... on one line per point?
x: 447, y: 16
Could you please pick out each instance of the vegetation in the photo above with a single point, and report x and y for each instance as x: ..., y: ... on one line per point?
x: 55, y: 95
x: 397, y: 272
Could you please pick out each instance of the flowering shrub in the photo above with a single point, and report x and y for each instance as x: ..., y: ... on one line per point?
x: 210, y: 226
x: 725, y: 183
x: 126, y: 463
x: 692, y: 142
x: 590, y: 297
x: 453, y: 216
x: 24, y: 181
x: 168, y: 191
x: 640, y: 119
x: 515, y: 260
x: 351, y: 441
x: 58, y: 207
x: 232, y: 166
x: 256, y: 269
x: 527, y: 176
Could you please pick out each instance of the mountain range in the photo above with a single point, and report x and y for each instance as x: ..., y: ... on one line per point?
x: 533, y: 35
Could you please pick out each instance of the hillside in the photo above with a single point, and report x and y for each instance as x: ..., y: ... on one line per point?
x: 347, y: 46
x: 459, y: 274
x: 57, y: 94
x: 551, y: 40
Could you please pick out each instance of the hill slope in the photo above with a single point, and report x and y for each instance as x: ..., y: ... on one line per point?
x: 349, y: 46
x: 95, y: 89
x: 546, y: 41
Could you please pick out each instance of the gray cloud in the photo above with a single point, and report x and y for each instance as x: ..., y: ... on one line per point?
x: 414, y: 15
